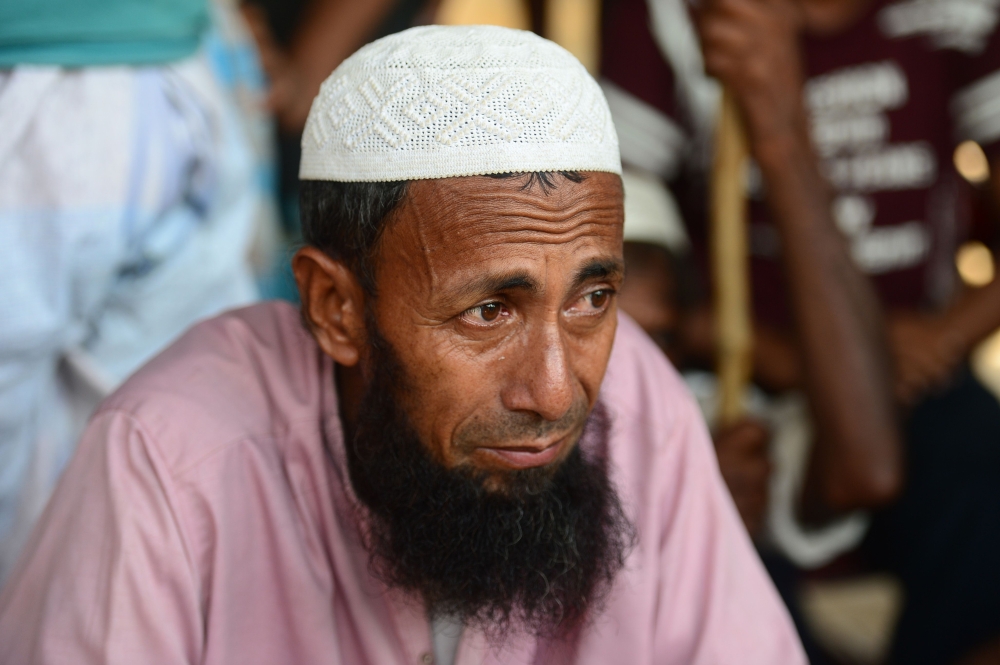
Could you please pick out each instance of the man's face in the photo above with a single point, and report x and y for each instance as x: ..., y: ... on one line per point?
x: 499, y: 303
x: 487, y: 341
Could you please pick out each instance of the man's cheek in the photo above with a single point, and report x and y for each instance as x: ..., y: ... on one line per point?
x: 591, y: 357
x: 445, y: 396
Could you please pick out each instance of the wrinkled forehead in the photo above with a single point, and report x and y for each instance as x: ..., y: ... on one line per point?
x: 458, y: 226
x: 470, y: 212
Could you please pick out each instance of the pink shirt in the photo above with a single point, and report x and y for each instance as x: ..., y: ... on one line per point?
x: 202, y: 520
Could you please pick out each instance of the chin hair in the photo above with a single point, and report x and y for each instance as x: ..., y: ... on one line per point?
x: 539, y: 553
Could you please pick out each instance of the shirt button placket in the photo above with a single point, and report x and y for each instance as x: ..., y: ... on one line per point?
x: 426, y: 659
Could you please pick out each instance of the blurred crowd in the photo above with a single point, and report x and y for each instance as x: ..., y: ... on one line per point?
x: 149, y: 178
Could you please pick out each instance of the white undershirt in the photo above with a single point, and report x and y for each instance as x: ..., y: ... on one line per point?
x: 445, y: 634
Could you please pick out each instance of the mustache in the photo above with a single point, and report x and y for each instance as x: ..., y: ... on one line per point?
x: 511, y: 426
x: 541, y: 555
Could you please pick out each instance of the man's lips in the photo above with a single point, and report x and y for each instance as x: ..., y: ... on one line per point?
x: 526, y: 457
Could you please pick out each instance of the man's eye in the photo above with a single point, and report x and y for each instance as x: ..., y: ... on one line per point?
x: 487, y: 313
x: 490, y: 311
x: 594, y: 302
x: 598, y: 299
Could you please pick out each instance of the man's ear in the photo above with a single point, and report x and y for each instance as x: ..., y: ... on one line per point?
x: 333, y: 304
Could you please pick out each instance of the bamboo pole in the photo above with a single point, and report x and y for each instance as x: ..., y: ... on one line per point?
x: 730, y: 263
x: 576, y: 26
x: 506, y: 13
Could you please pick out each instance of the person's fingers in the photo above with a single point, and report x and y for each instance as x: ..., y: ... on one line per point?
x: 748, y: 436
x: 947, y: 354
x: 751, y: 510
x: 740, y: 45
x: 904, y: 391
x: 737, y: 9
x: 746, y: 476
x: 934, y: 367
x: 919, y: 368
x: 914, y: 377
x: 725, y: 37
x: 750, y: 498
x: 787, y: 9
x: 756, y: 472
x: 721, y: 66
x: 729, y: 22
x: 755, y: 500
x: 746, y: 468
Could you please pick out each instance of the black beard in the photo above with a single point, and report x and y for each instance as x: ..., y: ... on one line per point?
x: 535, y: 556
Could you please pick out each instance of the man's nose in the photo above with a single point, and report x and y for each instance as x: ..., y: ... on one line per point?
x: 543, y: 381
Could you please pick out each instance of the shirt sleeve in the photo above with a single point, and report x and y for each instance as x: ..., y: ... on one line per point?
x: 716, y: 601
x: 694, y: 591
x: 107, y: 576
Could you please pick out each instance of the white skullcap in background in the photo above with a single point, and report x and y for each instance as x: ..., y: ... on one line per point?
x: 651, y: 215
x: 444, y: 101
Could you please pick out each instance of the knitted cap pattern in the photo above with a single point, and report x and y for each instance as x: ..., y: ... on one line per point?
x: 445, y: 101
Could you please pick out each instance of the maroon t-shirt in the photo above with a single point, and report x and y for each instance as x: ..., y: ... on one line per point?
x: 889, y: 98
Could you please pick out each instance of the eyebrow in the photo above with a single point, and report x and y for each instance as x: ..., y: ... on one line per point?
x: 509, y: 281
x: 520, y: 280
x: 599, y: 269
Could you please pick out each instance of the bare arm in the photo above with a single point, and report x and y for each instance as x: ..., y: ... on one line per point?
x: 976, y: 314
x: 751, y: 45
x: 928, y: 346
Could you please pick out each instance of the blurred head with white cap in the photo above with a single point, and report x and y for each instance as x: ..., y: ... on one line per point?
x: 658, y: 282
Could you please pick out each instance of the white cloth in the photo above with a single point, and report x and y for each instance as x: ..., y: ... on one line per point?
x: 647, y: 139
x: 791, y: 441
x: 125, y: 215
x: 446, y: 633
x: 446, y: 101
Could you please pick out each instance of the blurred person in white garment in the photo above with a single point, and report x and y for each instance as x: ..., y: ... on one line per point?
x: 132, y: 182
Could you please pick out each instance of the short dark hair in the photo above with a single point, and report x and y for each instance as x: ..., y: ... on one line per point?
x: 345, y: 220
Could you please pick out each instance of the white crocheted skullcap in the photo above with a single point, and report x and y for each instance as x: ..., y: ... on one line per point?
x: 445, y: 101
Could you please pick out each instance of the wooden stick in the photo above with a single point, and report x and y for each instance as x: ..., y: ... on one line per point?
x: 730, y: 262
